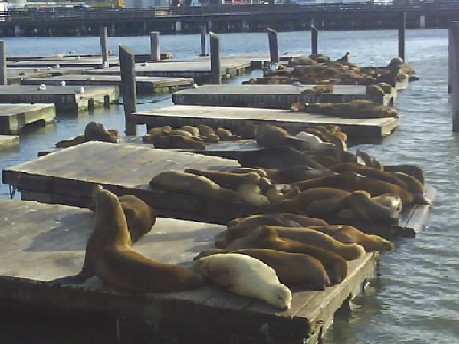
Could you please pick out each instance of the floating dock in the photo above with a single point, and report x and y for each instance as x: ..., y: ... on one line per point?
x: 272, y: 96
x: 145, y: 84
x: 34, y: 256
x: 63, y: 62
x: 68, y: 176
x: 67, y: 99
x: 196, y: 68
x: 13, y: 117
x: 8, y: 141
x: 234, y: 117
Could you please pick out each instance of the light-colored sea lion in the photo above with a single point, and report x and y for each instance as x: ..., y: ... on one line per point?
x: 226, y: 134
x: 118, y: 265
x: 251, y: 193
x: 319, y: 239
x: 292, y: 269
x: 350, y: 234
x: 194, y: 131
x: 140, y: 216
x: 226, y: 179
x: 260, y: 171
x: 247, y: 276
x: 266, y: 237
x: 296, y: 173
x: 182, y: 181
x: 178, y: 142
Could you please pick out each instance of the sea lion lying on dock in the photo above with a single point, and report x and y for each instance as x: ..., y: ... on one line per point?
x: 266, y: 237
x: 292, y: 269
x: 382, y: 208
x: 109, y: 253
x: 350, y: 234
x: 226, y: 179
x: 247, y: 276
x: 140, y: 216
x: 183, y: 181
x: 272, y: 136
x: 93, y: 132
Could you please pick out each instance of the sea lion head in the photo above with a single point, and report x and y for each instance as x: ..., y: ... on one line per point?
x: 281, y: 297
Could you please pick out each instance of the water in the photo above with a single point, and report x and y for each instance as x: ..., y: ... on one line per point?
x: 415, y: 300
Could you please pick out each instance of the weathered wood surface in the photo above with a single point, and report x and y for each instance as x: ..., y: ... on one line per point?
x: 236, y: 117
x: 145, y: 84
x: 13, y: 117
x: 65, y: 98
x: 33, y: 255
x: 271, y: 96
x: 8, y: 141
x: 64, y: 62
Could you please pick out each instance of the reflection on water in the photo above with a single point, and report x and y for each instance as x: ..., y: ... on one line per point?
x: 415, y: 299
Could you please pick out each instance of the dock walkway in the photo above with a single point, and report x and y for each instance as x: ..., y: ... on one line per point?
x: 34, y: 255
x: 234, y: 117
x: 13, y: 117
x: 272, y: 96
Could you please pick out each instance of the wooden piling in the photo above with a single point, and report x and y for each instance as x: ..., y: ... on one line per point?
x: 314, y: 39
x: 273, y: 46
x: 401, y: 35
x: 3, y: 68
x: 215, y: 74
x: 203, y: 40
x: 453, y: 51
x: 128, y: 83
x: 154, y: 46
x: 104, y: 46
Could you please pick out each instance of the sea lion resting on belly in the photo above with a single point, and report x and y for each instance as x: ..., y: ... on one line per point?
x: 266, y: 237
x: 110, y: 256
x: 350, y: 234
x: 293, y: 269
x: 318, y: 239
x: 226, y: 179
x: 247, y: 276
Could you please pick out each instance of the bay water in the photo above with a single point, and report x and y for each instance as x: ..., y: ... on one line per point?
x: 415, y: 300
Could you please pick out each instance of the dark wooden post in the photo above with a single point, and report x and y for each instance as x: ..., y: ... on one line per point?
x: 215, y: 73
x: 104, y: 46
x: 203, y: 40
x: 128, y: 83
x: 3, y: 69
x: 453, y: 52
x: 401, y: 35
x: 314, y: 39
x: 154, y: 46
x: 273, y: 46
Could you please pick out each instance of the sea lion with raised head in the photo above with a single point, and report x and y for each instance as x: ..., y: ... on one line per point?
x: 247, y: 276
x: 110, y: 255
x: 140, y: 216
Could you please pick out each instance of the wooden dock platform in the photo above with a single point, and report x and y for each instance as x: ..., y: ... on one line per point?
x: 63, y: 61
x: 67, y: 99
x: 272, y: 96
x: 68, y: 176
x: 197, y: 68
x: 34, y: 256
x: 145, y: 85
x: 13, y: 117
x: 234, y: 117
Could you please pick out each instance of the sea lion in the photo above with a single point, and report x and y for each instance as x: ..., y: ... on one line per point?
x: 182, y: 181
x: 292, y: 174
x: 245, y: 226
x: 247, y: 276
x: 292, y: 269
x: 267, y: 237
x: 383, y: 208
x: 412, y: 184
x: 274, y: 157
x: 350, y: 234
x: 96, y: 132
x: 71, y: 142
x: 226, y: 179
x: 118, y: 265
x: 178, y: 142
x: 351, y: 181
x: 319, y: 239
x: 251, y: 193
x: 411, y: 170
x: 140, y: 216
x: 272, y: 136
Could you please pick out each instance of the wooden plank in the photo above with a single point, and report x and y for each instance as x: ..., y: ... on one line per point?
x: 8, y: 141
x: 271, y: 96
x: 234, y: 117
x: 14, y: 117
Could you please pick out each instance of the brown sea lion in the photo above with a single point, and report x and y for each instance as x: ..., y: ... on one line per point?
x: 96, y: 132
x: 178, y: 142
x: 411, y: 170
x: 293, y: 269
x: 292, y: 174
x: 413, y: 185
x: 182, y: 181
x: 226, y: 179
x: 363, y: 207
x: 251, y: 193
x: 274, y: 157
x: 266, y: 237
x: 71, y: 142
x: 272, y: 136
x: 351, y: 181
x: 122, y: 268
x: 319, y: 239
x: 350, y: 234
x: 140, y: 216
